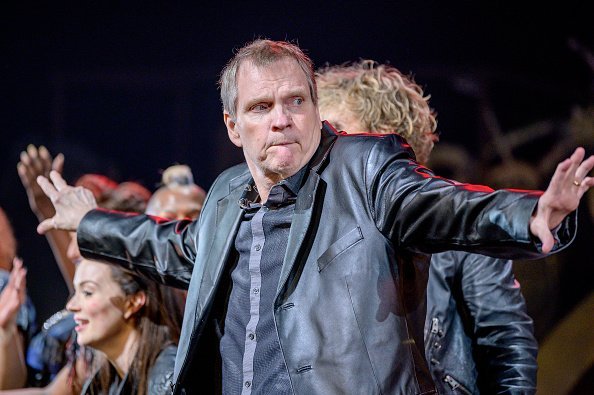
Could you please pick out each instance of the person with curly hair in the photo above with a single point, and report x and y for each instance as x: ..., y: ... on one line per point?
x: 478, y: 335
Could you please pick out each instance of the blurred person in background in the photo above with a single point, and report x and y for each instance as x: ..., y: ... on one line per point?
x: 178, y: 197
x: 13, y: 325
x: 17, y: 312
x: 56, y: 364
x: 478, y: 335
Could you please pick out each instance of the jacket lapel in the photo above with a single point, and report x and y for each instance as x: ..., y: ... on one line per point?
x: 305, y: 206
x: 228, y: 217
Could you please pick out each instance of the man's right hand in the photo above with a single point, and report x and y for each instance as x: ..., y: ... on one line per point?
x: 71, y: 203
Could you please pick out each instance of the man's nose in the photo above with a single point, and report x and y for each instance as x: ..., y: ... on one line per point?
x: 282, y: 118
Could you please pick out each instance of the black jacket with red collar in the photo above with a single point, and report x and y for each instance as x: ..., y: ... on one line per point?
x: 350, y: 305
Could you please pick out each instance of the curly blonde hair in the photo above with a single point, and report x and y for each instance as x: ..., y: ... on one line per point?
x: 383, y: 99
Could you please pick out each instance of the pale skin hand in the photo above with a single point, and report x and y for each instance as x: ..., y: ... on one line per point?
x: 562, y: 196
x: 71, y: 203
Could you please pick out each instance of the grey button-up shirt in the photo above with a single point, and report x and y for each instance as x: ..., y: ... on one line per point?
x: 252, y: 358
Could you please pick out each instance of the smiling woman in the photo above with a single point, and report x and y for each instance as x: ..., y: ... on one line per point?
x: 119, y: 314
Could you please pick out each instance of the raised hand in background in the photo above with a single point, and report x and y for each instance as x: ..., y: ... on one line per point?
x: 38, y: 162
x: 13, y: 370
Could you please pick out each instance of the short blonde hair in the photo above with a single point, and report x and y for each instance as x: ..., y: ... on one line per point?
x: 383, y: 99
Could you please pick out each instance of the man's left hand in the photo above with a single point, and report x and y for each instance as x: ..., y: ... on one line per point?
x: 568, y: 184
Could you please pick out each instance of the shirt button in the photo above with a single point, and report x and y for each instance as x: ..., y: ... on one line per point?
x: 247, y: 384
x: 256, y: 290
x: 258, y: 247
x: 251, y: 336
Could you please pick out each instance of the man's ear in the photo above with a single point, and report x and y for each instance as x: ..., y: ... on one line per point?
x: 134, y: 303
x: 231, y: 129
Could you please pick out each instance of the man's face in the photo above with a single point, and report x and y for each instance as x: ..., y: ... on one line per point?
x: 277, y: 124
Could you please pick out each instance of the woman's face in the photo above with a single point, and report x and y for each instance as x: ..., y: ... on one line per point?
x: 101, y: 309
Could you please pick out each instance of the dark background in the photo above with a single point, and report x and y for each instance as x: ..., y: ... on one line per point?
x: 129, y: 88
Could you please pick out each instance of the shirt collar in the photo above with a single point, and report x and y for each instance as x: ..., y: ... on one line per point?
x: 283, y: 192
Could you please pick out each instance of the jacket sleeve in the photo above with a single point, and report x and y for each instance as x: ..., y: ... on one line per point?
x: 162, y: 251
x: 426, y: 213
x: 505, y: 346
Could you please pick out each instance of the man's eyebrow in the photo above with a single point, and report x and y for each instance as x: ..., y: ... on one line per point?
x: 298, y: 91
x: 255, y: 100
x: 295, y: 91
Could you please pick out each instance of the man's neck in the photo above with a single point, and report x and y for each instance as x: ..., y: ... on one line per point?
x: 265, y: 184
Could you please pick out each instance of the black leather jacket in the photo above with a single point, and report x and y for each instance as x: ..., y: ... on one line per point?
x: 478, y: 336
x: 349, y: 309
x: 159, y: 378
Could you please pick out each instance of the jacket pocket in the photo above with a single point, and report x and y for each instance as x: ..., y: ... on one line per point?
x: 339, y: 246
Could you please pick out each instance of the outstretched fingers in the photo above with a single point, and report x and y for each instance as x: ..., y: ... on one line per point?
x: 581, y: 174
x: 58, y: 181
x: 70, y: 203
x: 45, y: 159
x: 58, y: 163
x: 47, y: 188
x: 568, y: 184
x: 567, y: 170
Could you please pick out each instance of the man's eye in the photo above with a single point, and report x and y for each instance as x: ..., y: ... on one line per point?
x: 298, y: 101
x: 259, y: 107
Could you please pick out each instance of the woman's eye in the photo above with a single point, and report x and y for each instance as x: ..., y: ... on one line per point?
x: 86, y: 293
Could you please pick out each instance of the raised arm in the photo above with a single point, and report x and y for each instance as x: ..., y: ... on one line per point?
x: 512, y: 224
x: 36, y: 162
x: 165, y: 252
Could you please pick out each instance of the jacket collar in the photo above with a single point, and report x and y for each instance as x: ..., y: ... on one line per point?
x: 229, y: 215
x: 305, y: 206
x: 329, y: 135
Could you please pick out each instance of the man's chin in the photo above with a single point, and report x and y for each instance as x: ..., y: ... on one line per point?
x: 284, y: 169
